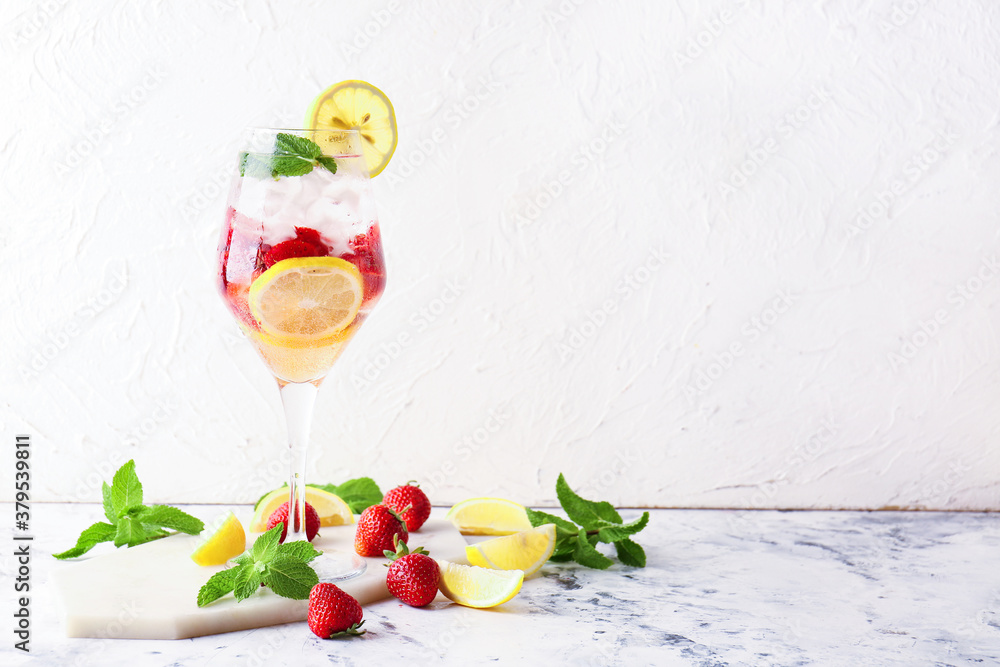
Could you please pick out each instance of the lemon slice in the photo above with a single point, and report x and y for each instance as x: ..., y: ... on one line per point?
x: 488, y: 516
x: 479, y: 587
x: 306, y: 298
x: 228, y: 541
x: 358, y: 105
x: 332, y: 510
x: 526, y: 551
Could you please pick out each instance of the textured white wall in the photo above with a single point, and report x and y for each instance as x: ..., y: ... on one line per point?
x: 689, y: 253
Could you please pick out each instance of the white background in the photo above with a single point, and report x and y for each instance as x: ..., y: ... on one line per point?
x: 702, y: 254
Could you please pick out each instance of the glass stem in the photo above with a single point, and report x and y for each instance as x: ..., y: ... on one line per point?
x: 298, y: 400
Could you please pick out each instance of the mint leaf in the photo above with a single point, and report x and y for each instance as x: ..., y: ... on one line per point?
x: 130, y: 522
x: 300, y: 550
x: 565, y: 546
x: 282, y: 567
x: 584, y: 512
x: 126, y: 491
x: 292, y: 156
x: 248, y: 580
x: 329, y: 163
x: 289, y: 165
x: 561, y: 557
x: 359, y: 494
x: 130, y: 531
x: 218, y: 585
x: 586, y: 554
x: 630, y: 553
x: 563, y: 527
x: 291, y: 144
x: 170, y: 517
x: 290, y: 578
x: 110, y: 510
x: 99, y: 532
x: 244, y: 559
x: 615, y: 532
x: 265, y: 547
x: 255, y: 166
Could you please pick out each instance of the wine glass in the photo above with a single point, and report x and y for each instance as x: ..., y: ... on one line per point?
x: 300, y: 268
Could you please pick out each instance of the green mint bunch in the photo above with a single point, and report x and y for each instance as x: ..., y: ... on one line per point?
x: 292, y: 156
x: 598, y: 522
x: 281, y: 567
x: 129, y: 521
x: 359, y: 494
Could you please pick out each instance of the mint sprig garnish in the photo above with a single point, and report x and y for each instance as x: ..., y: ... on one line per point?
x: 591, y: 522
x: 131, y: 523
x: 292, y: 156
x: 284, y: 568
x: 359, y: 494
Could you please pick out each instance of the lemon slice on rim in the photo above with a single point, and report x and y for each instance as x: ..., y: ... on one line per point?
x: 332, y: 510
x: 488, y: 516
x: 228, y: 541
x: 358, y: 105
x: 305, y: 298
x: 526, y: 551
x: 478, y: 587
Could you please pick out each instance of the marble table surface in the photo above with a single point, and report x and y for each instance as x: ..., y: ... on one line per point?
x: 720, y: 588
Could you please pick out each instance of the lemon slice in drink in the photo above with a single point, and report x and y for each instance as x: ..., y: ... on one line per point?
x: 358, y: 105
x: 332, y: 510
x: 526, y: 551
x: 228, y: 541
x: 489, y: 516
x: 479, y: 587
x: 306, y: 298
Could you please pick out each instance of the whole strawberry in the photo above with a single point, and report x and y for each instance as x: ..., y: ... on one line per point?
x: 378, y: 526
x: 411, y: 503
x: 280, y: 515
x: 413, y: 575
x: 333, y: 613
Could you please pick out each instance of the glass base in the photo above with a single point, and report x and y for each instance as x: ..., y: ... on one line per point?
x: 334, y: 566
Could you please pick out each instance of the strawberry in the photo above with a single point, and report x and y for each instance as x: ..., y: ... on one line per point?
x: 411, y: 503
x: 307, y: 243
x: 333, y: 613
x: 280, y: 515
x: 287, y: 250
x: 366, y: 254
x: 312, y: 237
x: 378, y: 527
x: 413, y: 575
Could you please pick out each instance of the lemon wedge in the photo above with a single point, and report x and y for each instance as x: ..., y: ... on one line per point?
x: 306, y: 298
x: 332, y: 510
x: 489, y: 516
x: 358, y: 105
x: 228, y: 541
x: 526, y: 551
x: 474, y: 586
